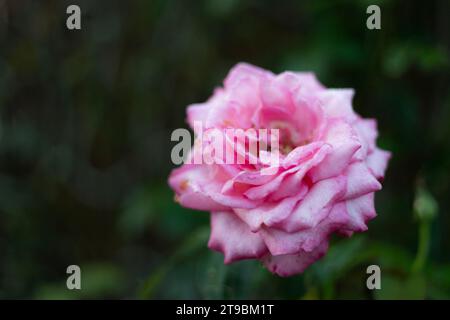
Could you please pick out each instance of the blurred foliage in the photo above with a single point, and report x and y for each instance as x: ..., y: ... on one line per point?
x: 85, y: 123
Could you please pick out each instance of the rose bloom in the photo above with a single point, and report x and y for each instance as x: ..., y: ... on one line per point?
x: 325, y: 180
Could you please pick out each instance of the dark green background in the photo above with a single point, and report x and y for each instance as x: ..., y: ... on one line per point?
x: 86, y: 117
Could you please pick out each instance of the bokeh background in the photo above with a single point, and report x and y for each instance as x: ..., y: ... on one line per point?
x: 86, y: 118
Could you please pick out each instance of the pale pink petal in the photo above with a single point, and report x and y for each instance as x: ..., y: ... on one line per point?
x: 303, y: 153
x: 308, y: 116
x: 276, y: 92
x: 344, y: 143
x: 377, y: 162
x: 288, y: 265
x: 245, y: 70
x: 233, y: 238
x: 182, y: 181
x: 270, y: 214
x: 199, y: 187
x: 316, y: 205
x: 360, y: 181
x: 337, y: 103
x: 309, y: 82
x: 360, y: 211
x: 367, y: 132
x: 310, y: 160
x: 280, y: 242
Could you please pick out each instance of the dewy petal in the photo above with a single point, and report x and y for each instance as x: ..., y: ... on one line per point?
x: 233, y: 238
x: 245, y: 70
x: 270, y: 214
x: 280, y: 242
x: 275, y: 93
x: 245, y: 96
x: 292, y: 183
x: 367, y: 132
x: 199, y: 112
x: 377, y: 162
x: 303, y: 153
x: 199, y: 187
x: 248, y: 179
x: 360, y: 211
x: 288, y: 265
x: 360, y: 181
x: 337, y: 103
x: 316, y: 205
x: 309, y: 82
x: 308, y: 116
x: 344, y: 142
x: 299, y: 171
x: 187, y: 194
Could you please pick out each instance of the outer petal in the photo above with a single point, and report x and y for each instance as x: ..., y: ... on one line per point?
x: 337, y: 103
x: 199, y: 112
x: 288, y: 265
x: 316, y: 205
x: 187, y: 193
x: 245, y: 70
x: 199, y: 187
x: 309, y: 82
x: 377, y: 162
x: 344, y: 142
x: 280, y: 242
x: 360, y: 211
x: 367, y: 132
x: 276, y: 91
x: 233, y: 238
x: 270, y: 214
x: 360, y: 181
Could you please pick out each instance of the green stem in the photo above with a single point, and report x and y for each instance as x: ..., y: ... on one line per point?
x: 423, y: 248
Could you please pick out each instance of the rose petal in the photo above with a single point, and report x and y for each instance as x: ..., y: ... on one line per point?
x: 270, y: 214
x: 233, y: 238
x: 300, y: 170
x: 360, y: 181
x: 316, y: 205
x: 377, y: 162
x: 337, y: 103
x: 287, y: 265
x: 344, y: 143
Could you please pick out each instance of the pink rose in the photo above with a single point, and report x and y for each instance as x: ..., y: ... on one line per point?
x: 324, y: 182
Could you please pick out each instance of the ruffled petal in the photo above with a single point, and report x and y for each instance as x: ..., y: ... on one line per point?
x: 245, y: 70
x: 360, y: 181
x: 280, y: 242
x: 367, y: 132
x: 187, y: 193
x: 270, y: 214
x: 344, y: 143
x: 233, y: 238
x: 310, y: 160
x: 360, y: 210
x: 309, y: 82
x: 288, y: 265
x: 377, y: 162
x: 337, y: 103
x: 316, y: 205
x: 199, y: 187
